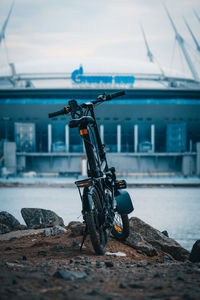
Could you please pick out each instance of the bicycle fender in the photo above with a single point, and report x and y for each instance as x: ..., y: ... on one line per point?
x: 87, y: 200
x: 124, y: 203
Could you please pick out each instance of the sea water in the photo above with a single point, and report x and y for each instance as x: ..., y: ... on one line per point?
x: 176, y: 210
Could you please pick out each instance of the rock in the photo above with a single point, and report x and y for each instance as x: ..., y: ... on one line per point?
x: 165, y: 233
x: 8, y: 222
x: 157, y: 239
x: 69, y: 275
x: 12, y: 239
x: 181, y: 278
x: 54, y: 230
x: 7, y: 249
x: 123, y: 286
x: 134, y: 285
x: 136, y: 241
x: 42, y: 253
x: 94, y: 292
x: 57, y: 248
x: 40, y: 218
x: 4, y: 228
x: 109, y: 264
x: 195, y: 253
x: 75, y: 243
x: 77, y: 228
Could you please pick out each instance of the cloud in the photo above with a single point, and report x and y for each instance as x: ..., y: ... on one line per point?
x: 70, y: 28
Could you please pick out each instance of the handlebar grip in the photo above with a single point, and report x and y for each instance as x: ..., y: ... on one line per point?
x: 57, y: 113
x: 114, y: 95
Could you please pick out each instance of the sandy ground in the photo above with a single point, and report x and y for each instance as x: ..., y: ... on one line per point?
x: 40, y: 267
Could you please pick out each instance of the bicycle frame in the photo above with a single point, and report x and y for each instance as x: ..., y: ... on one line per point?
x: 93, y: 170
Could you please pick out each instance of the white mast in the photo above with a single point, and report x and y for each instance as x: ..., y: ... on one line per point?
x: 149, y: 53
x: 2, y: 33
x: 197, y: 16
x: 193, y: 36
x: 182, y: 46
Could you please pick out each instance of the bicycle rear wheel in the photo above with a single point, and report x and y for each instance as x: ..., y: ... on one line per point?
x: 94, y: 221
x: 120, y: 228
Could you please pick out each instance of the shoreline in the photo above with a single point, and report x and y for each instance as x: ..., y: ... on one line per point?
x: 132, y: 182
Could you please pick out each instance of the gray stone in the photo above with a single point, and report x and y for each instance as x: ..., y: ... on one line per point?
x: 94, y: 292
x: 136, y: 285
x: 54, y: 230
x: 157, y: 239
x: 109, y: 264
x: 40, y: 218
x: 42, y: 253
x: 8, y: 222
x: 195, y: 253
x: 77, y: 228
x: 165, y: 233
x: 136, y: 241
x: 57, y: 248
x: 4, y: 228
x: 69, y: 275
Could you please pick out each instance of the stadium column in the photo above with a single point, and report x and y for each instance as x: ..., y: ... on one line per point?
x: 66, y: 138
x: 153, y: 137
x: 49, y: 137
x: 136, y: 138
x: 118, y: 138
x: 102, y: 133
x: 198, y: 160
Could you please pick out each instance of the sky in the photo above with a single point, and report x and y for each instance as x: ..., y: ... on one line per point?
x: 79, y: 31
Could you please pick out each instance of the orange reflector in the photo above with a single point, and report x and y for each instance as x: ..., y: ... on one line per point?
x: 81, y: 184
x: 117, y: 228
x: 66, y: 108
x: 83, y: 131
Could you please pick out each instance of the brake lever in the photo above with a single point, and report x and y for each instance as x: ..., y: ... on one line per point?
x: 102, y: 97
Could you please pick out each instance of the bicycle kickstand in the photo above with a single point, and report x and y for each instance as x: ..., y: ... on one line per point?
x: 84, y: 237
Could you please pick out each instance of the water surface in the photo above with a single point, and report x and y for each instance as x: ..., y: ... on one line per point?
x: 173, y: 209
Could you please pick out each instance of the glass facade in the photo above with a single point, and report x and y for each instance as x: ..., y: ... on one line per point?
x: 130, y: 125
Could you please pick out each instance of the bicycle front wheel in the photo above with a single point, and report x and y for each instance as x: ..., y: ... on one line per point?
x: 120, y: 229
x: 94, y: 221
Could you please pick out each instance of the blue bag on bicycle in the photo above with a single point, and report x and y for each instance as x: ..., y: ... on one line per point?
x: 124, y: 203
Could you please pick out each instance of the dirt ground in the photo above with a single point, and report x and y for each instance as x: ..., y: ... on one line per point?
x: 40, y: 267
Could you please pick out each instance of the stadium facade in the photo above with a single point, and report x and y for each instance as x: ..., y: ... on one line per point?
x: 146, y: 132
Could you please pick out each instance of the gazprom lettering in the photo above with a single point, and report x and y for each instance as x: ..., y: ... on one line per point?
x: 78, y: 77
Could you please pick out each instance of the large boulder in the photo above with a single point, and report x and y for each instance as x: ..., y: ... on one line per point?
x: 40, y: 218
x: 136, y: 241
x: 76, y: 228
x: 195, y: 253
x: 8, y: 222
x: 152, y: 236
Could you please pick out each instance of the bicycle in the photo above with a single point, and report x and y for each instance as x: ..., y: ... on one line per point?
x: 105, y: 207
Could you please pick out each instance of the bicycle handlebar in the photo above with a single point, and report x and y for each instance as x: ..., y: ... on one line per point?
x: 108, y: 97
x: 63, y: 111
x: 100, y: 98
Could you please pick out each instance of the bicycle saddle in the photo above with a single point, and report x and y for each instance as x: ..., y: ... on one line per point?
x: 83, y: 121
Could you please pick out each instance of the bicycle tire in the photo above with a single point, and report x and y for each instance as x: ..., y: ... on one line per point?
x: 120, y: 229
x: 98, y: 235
